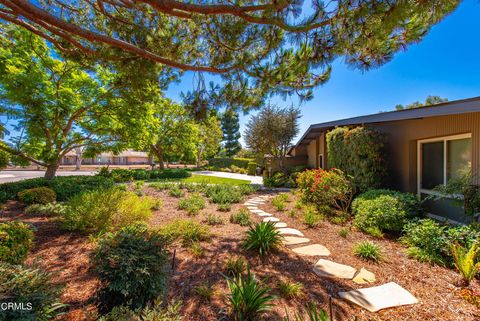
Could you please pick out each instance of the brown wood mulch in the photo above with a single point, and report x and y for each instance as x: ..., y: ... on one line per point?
x: 67, y: 255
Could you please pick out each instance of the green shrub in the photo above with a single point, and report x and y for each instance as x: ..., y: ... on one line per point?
x: 358, y: 152
x: 279, y: 179
x: 426, y: 241
x: 377, y: 211
x: 343, y: 232
x: 64, y: 186
x: 106, y: 210
x: 313, y: 314
x: 196, y: 249
x: 252, y: 168
x: 37, y: 195
x: 465, y: 261
x: 120, y: 175
x: 153, y: 312
x: 131, y: 266
x: 30, y: 287
x: 223, y: 162
x: 311, y: 217
x: 279, y: 203
x: 242, y: 218
x: 161, y: 186
x: 326, y: 188
x: 188, y: 231
x: 224, y: 207
x: 248, y: 297
x: 192, y: 204
x: 16, y: 240
x: 175, y: 191
x: 368, y: 251
x: 263, y: 238
x: 290, y: 290
x: 50, y: 209
x: 222, y: 194
x: 247, y: 189
x: 235, y: 265
x: 213, y: 219
x: 205, y: 290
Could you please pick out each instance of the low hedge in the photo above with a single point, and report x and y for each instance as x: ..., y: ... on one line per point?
x: 252, y: 168
x: 64, y: 186
x: 223, y: 162
x: 16, y: 240
x: 124, y: 175
x: 382, y: 210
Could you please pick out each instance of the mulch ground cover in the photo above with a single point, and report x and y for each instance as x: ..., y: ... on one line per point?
x: 67, y: 255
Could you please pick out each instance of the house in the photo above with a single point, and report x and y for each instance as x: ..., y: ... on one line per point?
x: 426, y: 146
x: 127, y: 157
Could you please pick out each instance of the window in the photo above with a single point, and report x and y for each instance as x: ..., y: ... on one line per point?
x: 441, y: 159
x: 320, y: 161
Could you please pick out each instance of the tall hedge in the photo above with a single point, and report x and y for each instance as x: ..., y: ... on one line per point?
x: 224, y: 162
x: 358, y: 152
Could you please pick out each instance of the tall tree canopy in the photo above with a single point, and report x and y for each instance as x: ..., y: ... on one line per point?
x: 209, y: 137
x: 430, y: 100
x: 272, y: 131
x: 257, y: 47
x: 58, y: 106
x: 231, y: 132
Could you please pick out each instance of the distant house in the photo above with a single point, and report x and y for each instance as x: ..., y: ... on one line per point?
x: 426, y: 147
x: 128, y: 157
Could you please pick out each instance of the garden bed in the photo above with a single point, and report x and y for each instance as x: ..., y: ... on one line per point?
x: 67, y: 254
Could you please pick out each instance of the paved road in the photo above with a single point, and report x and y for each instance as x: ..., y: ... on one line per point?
x: 14, y: 176
x: 253, y: 179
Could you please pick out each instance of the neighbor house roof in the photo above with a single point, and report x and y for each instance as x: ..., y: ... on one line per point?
x: 470, y: 105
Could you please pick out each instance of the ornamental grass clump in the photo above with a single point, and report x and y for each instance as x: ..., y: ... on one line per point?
x: 263, y: 238
x: 368, y: 251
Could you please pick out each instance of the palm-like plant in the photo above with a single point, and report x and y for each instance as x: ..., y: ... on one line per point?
x: 263, y: 237
x: 465, y: 260
x: 248, y: 297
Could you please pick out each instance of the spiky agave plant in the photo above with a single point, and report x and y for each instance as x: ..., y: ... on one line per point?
x: 263, y: 238
x: 465, y: 260
x: 248, y: 297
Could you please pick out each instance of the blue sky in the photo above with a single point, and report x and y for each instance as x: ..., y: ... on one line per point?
x: 446, y: 63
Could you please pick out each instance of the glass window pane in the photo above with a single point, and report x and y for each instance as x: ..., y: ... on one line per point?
x: 459, y: 157
x: 432, y: 165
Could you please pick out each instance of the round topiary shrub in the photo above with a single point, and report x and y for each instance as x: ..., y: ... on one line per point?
x: 131, y: 265
x: 16, y: 239
x: 30, y: 289
x: 37, y: 195
x: 382, y: 210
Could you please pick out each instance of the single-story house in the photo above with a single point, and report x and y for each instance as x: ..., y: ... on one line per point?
x: 426, y: 147
x: 127, y: 157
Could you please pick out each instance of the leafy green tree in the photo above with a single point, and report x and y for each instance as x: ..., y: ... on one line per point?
x: 231, y: 132
x: 57, y: 105
x: 209, y: 138
x: 272, y: 131
x: 430, y: 100
x: 173, y: 133
x: 4, y: 159
x: 257, y: 48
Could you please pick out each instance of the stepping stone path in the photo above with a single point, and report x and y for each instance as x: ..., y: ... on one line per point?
x: 289, y: 231
x: 312, y: 250
x: 293, y: 240
x: 331, y: 269
x: 271, y: 219
x: 380, y: 297
x: 373, y: 299
x: 364, y: 276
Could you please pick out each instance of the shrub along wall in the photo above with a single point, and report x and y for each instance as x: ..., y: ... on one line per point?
x: 224, y: 162
x: 359, y: 153
x: 64, y: 186
x: 125, y: 175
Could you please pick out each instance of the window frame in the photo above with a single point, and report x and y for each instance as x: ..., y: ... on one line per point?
x: 445, y: 140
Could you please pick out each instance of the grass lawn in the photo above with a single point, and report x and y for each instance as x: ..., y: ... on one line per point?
x: 209, y: 180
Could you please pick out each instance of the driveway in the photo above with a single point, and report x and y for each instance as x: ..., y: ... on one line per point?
x: 252, y: 179
x: 15, y: 176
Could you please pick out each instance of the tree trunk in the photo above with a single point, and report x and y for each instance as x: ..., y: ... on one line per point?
x: 199, y: 157
x: 51, y: 171
x: 161, y: 162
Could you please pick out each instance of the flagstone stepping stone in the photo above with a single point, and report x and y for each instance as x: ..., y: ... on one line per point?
x: 293, y: 240
x: 290, y: 231
x: 312, y: 250
x: 332, y: 269
x: 257, y: 211
x: 380, y: 297
x: 264, y: 214
x: 280, y: 224
x: 271, y: 219
x: 252, y: 207
x: 364, y: 276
